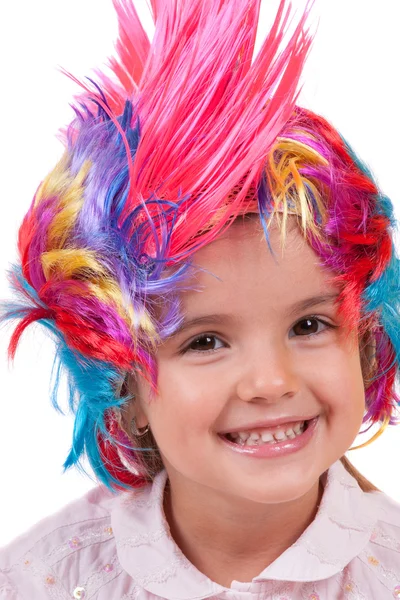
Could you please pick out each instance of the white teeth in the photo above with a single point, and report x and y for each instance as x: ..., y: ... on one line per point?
x: 253, y: 438
x: 267, y: 437
x: 251, y: 442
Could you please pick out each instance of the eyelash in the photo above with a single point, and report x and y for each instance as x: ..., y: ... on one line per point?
x: 328, y: 326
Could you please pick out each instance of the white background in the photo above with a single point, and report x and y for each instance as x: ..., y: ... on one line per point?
x: 352, y: 78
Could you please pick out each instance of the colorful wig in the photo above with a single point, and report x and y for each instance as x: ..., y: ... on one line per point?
x: 184, y: 135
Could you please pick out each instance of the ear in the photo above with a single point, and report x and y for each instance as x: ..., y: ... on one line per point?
x: 133, y: 407
x: 368, y: 357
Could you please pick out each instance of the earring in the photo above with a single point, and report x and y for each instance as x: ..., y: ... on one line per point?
x: 134, y: 429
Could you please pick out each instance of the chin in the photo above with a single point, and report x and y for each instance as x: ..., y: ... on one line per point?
x: 285, y: 486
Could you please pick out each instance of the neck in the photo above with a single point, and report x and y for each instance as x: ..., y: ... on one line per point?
x: 229, y: 539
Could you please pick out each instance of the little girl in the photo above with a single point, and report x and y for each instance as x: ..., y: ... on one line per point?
x: 217, y: 270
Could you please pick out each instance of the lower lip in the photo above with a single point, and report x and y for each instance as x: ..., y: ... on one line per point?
x: 276, y: 449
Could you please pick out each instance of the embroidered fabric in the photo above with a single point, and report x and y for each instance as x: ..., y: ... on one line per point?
x: 350, y: 551
x: 142, y: 538
x: 84, y: 538
x: 45, y: 576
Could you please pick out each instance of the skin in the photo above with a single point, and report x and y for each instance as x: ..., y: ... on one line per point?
x: 232, y: 515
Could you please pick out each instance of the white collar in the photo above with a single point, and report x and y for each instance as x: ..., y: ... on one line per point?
x: 147, y: 551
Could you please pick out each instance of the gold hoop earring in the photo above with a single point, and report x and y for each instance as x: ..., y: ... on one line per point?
x: 134, y: 428
x: 375, y: 436
x: 135, y: 431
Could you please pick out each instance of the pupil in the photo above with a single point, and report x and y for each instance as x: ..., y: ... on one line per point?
x: 204, y: 343
x: 307, y: 326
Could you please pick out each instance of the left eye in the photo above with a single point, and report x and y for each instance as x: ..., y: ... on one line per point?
x: 205, y: 343
x: 309, y: 327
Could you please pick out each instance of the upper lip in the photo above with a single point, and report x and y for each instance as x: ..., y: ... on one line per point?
x: 268, y: 424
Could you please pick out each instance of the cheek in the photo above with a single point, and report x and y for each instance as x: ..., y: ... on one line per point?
x: 340, y: 387
x: 187, y: 403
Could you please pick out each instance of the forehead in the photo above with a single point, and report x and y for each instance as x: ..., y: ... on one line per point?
x: 239, y: 268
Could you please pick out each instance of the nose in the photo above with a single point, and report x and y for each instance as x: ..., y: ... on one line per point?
x: 268, y: 373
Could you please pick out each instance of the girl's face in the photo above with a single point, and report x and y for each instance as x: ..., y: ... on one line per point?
x: 262, y: 340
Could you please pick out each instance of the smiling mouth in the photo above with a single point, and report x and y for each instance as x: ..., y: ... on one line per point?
x: 268, y: 436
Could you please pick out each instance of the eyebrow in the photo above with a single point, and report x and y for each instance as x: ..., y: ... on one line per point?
x: 217, y: 319
x: 227, y: 319
x: 311, y: 302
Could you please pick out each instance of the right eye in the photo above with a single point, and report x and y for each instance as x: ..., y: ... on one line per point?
x: 204, y: 343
